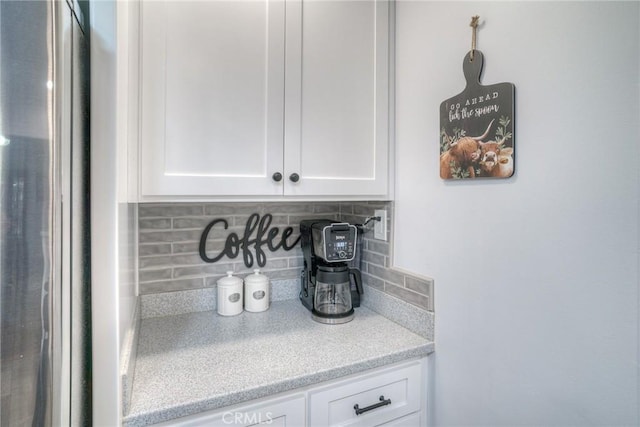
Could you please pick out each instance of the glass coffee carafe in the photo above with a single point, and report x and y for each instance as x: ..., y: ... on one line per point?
x: 332, y: 299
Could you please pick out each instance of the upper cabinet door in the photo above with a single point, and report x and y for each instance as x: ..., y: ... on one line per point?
x: 212, y: 92
x: 337, y: 98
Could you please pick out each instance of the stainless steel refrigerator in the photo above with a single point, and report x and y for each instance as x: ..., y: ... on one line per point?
x: 44, y: 211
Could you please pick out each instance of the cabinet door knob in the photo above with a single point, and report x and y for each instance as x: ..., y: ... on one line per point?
x: 294, y: 177
x: 277, y: 177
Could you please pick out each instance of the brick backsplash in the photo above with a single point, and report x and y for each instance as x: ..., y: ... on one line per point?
x: 169, y: 236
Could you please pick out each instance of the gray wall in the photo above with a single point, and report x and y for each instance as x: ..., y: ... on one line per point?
x: 537, y: 276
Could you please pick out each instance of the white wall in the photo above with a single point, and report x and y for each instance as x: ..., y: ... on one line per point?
x: 536, y: 277
x: 112, y: 219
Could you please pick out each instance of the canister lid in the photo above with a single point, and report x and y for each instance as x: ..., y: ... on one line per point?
x: 229, y: 280
x: 256, y: 278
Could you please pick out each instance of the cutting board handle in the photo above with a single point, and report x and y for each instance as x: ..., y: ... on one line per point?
x: 473, y: 68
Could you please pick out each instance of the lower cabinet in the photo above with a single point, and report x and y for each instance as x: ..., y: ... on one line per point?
x: 390, y: 396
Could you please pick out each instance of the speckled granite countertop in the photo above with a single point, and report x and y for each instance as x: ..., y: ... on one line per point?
x: 196, y: 362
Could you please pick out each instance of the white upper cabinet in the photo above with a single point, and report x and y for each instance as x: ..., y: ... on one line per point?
x: 337, y: 97
x: 212, y: 84
x: 225, y: 107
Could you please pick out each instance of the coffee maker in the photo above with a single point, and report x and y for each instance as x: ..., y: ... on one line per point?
x: 326, y: 287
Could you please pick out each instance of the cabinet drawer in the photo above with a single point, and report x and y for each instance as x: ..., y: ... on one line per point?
x: 379, y: 397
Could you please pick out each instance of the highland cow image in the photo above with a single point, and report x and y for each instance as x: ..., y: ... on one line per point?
x: 489, y: 155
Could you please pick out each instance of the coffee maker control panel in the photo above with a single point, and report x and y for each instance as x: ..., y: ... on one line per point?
x: 339, y: 242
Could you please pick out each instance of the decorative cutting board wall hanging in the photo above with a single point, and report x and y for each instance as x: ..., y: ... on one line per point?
x: 477, y: 125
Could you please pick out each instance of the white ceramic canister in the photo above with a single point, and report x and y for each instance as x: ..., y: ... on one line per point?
x: 229, y: 295
x: 256, y: 292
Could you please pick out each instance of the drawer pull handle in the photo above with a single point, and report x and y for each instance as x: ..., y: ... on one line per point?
x: 383, y: 402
